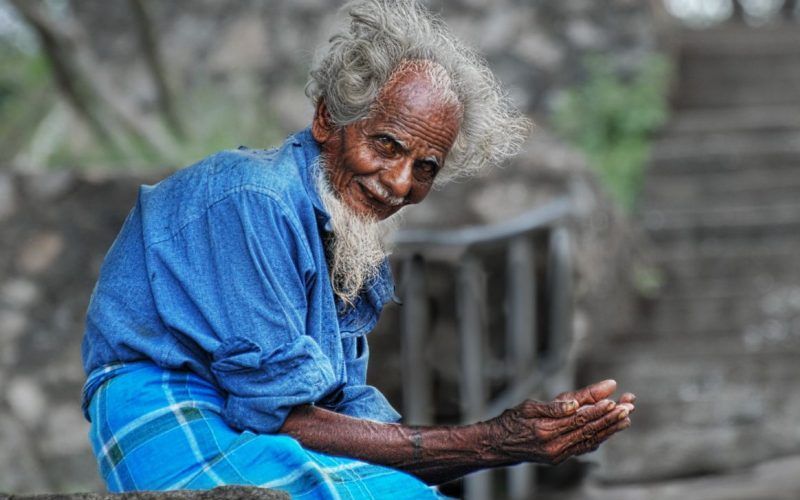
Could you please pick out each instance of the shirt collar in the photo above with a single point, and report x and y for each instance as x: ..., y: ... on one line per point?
x: 310, y: 161
x: 380, y: 290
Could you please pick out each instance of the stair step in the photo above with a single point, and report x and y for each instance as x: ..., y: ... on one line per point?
x: 740, y: 40
x: 725, y: 217
x: 708, y: 374
x: 712, y: 170
x: 704, y: 254
x: 779, y: 92
x: 735, y: 119
x: 738, y: 71
x: 720, y: 260
x: 698, y: 402
x: 755, y: 280
x: 741, y: 310
x: 704, y: 393
x: 650, y: 453
x: 681, y: 240
x: 754, y: 329
x: 681, y: 235
x: 717, y: 191
x: 714, y: 358
x: 729, y: 150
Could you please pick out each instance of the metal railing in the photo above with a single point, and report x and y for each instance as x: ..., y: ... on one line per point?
x: 538, y: 308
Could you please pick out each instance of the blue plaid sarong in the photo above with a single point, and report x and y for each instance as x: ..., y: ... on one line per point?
x: 155, y: 429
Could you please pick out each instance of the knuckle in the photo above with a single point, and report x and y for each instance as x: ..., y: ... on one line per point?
x: 530, y: 407
x: 544, y: 410
x: 581, y: 419
x: 513, y: 414
x: 548, y: 425
x: 541, y: 434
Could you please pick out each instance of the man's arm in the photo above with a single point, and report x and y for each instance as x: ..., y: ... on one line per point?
x: 530, y: 432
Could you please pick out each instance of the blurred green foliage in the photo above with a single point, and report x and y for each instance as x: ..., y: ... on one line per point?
x: 218, y: 119
x: 215, y: 119
x: 611, y: 118
x: 26, y: 95
x: 38, y: 126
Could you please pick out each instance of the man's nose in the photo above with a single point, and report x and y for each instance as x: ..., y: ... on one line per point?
x: 398, y: 179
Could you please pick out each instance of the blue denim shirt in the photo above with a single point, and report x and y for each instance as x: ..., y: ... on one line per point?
x: 220, y: 269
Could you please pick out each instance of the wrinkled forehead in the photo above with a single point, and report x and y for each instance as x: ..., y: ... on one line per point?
x: 420, y: 86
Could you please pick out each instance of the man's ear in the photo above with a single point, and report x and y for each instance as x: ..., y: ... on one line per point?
x: 322, y: 127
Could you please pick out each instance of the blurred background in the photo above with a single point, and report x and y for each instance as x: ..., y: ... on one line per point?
x: 649, y: 232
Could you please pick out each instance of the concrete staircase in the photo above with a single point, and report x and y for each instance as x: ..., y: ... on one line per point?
x: 716, y: 362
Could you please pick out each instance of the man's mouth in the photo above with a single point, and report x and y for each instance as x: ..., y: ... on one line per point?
x: 380, y: 204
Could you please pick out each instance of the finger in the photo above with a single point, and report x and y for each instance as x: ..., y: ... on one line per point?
x: 585, y: 414
x: 631, y: 408
x: 592, y: 444
x: 591, y: 430
x: 627, y: 397
x: 553, y: 409
x: 590, y: 394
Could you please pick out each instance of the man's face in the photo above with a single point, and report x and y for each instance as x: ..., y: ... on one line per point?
x: 390, y: 159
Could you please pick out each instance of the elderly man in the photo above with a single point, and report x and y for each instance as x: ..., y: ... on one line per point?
x: 226, y: 337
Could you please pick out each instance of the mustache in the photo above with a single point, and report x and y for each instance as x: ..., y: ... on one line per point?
x: 373, y: 185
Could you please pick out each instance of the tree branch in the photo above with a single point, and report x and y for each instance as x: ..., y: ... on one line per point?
x: 152, y: 54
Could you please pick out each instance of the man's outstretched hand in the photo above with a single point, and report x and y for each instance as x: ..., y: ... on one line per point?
x: 545, y: 432
x: 574, y: 423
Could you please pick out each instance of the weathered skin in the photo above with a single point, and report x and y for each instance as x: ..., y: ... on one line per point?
x: 401, y: 146
x: 549, y: 433
x: 376, y: 166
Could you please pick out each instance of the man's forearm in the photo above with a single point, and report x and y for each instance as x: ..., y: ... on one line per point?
x: 533, y: 431
x: 435, y: 454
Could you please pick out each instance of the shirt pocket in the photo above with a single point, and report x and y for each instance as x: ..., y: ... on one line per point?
x: 355, y: 357
x: 357, y: 320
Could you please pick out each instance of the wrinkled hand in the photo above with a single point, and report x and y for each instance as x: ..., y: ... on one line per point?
x: 573, y: 423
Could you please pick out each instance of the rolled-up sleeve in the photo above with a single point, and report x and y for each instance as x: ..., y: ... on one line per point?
x: 234, y: 283
x: 263, y: 386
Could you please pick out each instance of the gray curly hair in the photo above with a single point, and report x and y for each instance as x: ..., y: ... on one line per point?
x: 383, y: 36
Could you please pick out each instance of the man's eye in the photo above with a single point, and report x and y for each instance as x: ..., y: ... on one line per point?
x: 426, y: 169
x: 386, y: 144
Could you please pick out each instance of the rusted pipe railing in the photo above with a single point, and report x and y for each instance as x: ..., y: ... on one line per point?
x: 521, y: 338
x: 415, y: 326
x: 529, y: 365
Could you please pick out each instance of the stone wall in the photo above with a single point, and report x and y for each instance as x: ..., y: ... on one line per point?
x: 54, y: 231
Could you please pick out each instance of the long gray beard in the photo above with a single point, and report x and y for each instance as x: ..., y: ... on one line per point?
x: 358, y: 245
